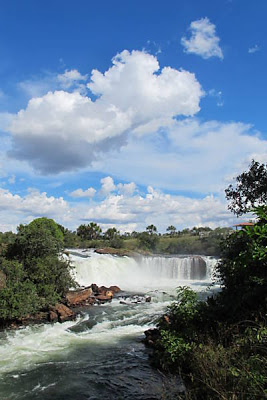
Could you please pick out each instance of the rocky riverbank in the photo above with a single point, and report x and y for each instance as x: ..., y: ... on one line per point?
x: 66, y: 310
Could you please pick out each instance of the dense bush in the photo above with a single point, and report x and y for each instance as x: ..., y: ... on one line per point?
x: 36, y: 274
x: 220, y: 344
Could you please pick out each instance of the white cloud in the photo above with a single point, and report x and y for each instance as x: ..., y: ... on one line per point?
x: 90, y: 192
x: 126, y: 188
x: 107, y: 185
x: 70, y: 77
x: 133, y: 94
x: 189, y: 156
x: 38, y: 86
x: 254, y: 49
x: 160, y: 209
x: 203, y: 40
x: 16, y: 209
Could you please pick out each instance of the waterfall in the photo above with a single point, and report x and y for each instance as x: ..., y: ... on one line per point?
x: 141, y: 272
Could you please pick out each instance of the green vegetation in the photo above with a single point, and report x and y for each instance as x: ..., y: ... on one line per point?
x: 219, y: 346
x: 202, y: 240
x: 250, y: 189
x: 35, y: 274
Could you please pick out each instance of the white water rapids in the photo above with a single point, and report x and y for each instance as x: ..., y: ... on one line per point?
x: 32, y: 359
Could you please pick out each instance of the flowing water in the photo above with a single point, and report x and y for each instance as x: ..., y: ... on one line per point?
x: 100, y: 354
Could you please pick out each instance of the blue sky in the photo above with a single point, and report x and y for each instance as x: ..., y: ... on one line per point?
x: 129, y: 113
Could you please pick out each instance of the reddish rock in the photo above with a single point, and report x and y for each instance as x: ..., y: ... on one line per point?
x: 115, y: 289
x: 103, y: 298
x: 94, y: 288
x: 102, y: 290
x: 52, y: 316
x: 63, y: 312
x: 108, y: 291
x: 91, y: 300
x: 77, y: 297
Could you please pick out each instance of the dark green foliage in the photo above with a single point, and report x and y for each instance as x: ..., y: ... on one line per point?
x: 91, y: 231
x: 219, y: 345
x: 41, y: 238
x: 171, y: 229
x: 243, y: 270
x: 70, y: 238
x: 116, y: 242
x: 250, y: 189
x: 36, y: 274
x: 148, y: 241
x: 151, y: 229
x: 19, y: 297
x: 111, y: 233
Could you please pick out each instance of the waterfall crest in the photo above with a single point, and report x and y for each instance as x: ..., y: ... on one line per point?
x: 137, y: 273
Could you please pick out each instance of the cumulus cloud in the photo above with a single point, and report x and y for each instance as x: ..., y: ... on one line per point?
x: 107, y: 185
x: 16, y: 209
x: 160, y: 209
x: 70, y: 77
x: 38, y: 86
x: 78, y: 193
x: 203, y: 40
x: 126, y: 188
x: 63, y: 131
x: 190, y: 156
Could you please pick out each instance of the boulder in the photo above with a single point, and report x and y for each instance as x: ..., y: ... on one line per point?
x: 2, y: 280
x: 77, y: 297
x: 115, y: 289
x: 94, y: 288
x: 103, y: 299
x: 102, y: 290
x: 152, y: 335
x: 52, y: 316
x: 63, y: 312
x: 105, y: 291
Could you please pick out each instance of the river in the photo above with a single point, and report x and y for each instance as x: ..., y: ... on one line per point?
x: 100, y: 355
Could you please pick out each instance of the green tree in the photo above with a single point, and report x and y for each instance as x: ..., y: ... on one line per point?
x: 171, y: 229
x: 151, y: 229
x: 250, y: 189
x: 91, y: 231
x: 111, y: 233
x: 41, y: 238
x: 36, y: 273
x: 148, y: 241
x: 242, y: 270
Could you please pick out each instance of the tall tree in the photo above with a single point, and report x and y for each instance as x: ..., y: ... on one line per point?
x: 250, y: 189
x: 171, y: 229
x: 89, y: 232
x: 151, y: 229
